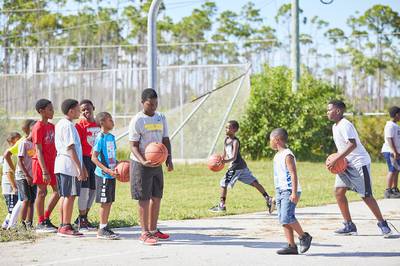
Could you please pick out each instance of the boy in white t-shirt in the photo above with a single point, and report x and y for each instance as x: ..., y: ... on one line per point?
x: 391, y: 152
x: 288, y: 192
x: 357, y: 176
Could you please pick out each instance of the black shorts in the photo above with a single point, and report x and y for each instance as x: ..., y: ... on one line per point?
x: 68, y: 185
x: 146, y: 182
x: 91, y: 179
x: 25, y: 191
x: 105, y: 190
x: 11, y: 200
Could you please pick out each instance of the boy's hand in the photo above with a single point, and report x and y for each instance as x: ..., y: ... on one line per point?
x: 396, y: 156
x: 331, y: 164
x: 169, y: 164
x: 149, y: 164
x: 46, y: 178
x: 15, y: 189
x: 113, y: 173
x: 294, y: 198
x: 29, y: 179
x: 82, y: 176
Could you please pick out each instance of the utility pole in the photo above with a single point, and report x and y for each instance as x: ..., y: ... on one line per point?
x: 152, y: 45
x: 295, y: 46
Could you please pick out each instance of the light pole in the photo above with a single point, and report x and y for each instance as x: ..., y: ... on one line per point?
x: 295, y: 46
x: 152, y: 45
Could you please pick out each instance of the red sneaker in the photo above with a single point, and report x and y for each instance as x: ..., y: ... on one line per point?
x: 160, y: 235
x: 68, y: 231
x: 148, y: 239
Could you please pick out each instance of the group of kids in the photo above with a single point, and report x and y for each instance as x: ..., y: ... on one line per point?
x: 80, y: 160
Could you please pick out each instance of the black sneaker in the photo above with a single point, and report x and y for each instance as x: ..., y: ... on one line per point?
x: 305, y: 242
x: 107, y: 233
x: 386, y: 231
x: 395, y: 193
x: 348, y: 229
x: 270, y: 204
x: 83, y: 225
x: 218, y: 208
x: 289, y: 250
x: 90, y: 225
x: 43, y: 227
x: 49, y: 224
x: 388, y: 193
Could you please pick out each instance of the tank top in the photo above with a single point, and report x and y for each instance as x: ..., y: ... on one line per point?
x: 239, y: 163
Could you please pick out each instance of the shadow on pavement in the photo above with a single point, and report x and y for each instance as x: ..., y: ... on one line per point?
x: 356, y: 254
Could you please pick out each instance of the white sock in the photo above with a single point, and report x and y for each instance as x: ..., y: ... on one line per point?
x: 102, y: 226
x: 14, y: 215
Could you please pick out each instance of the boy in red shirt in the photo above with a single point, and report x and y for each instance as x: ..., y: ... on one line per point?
x: 43, y: 165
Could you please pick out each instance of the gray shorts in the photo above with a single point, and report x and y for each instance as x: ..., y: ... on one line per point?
x: 68, y: 185
x: 25, y: 191
x: 356, y: 179
x: 244, y: 175
x: 146, y: 182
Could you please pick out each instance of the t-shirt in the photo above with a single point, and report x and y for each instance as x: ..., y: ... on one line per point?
x: 67, y: 135
x: 146, y: 129
x: 14, y: 148
x: 392, y: 130
x: 239, y: 163
x: 87, y: 132
x: 105, y: 144
x: 26, y: 150
x: 342, y: 132
x: 44, y: 134
x: 282, y: 177
x: 5, y: 183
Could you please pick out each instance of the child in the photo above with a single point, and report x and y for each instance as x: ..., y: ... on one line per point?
x: 68, y: 165
x: 8, y: 185
x: 43, y: 165
x: 26, y: 189
x: 87, y: 130
x: 147, y: 180
x: 104, y: 156
x: 237, y: 170
x: 391, y: 152
x: 288, y: 192
x: 357, y: 175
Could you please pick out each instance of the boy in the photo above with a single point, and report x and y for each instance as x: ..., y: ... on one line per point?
x: 8, y: 185
x: 104, y: 156
x: 237, y: 170
x: 43, y: 165
x: 357, y: 175
x: 68, y: 165
x: 391, y: 152
x: 27, y: 191
x: 147, y: 180
x: 87, y: 129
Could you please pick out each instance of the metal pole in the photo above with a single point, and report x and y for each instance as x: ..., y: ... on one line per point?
x: 114, y: 92
x: 152, y: 45
x: 295, y: 46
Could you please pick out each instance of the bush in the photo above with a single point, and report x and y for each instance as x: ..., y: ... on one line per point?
x: 303, y: 114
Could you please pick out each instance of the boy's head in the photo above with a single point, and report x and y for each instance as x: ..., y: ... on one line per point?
x: 104, y: 119
x: 87, y: 109
x: 149, y: 101
x: 335, y: 110
x: 394, y: 112
x: 27, y: 126
x: 278, y: 138
x: 70, y: 108
x: 13, y: 137
x: 231, y: 127
x: 45, y: 108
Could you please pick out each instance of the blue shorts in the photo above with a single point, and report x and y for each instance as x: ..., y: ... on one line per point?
x: 393, y: 165
x: 285, y: 208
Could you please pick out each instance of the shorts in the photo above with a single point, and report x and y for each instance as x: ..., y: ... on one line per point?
x: 25, y: 191
x: 393, y: 165
x: 38, y: 176
x: 68, y: 185
x: 357, y: 179
x: 285, y: 207
x: 11, y: 200
x: 105, y: 189
x: 244, y: 175
x: 91, y: 179
x: 146, y: 182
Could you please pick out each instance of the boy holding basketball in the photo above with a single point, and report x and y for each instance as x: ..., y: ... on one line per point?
x: 357, y: 175
x: 288, y: 192
x: 104, y: 156
x: 147, y: 180
x: 237, y: 170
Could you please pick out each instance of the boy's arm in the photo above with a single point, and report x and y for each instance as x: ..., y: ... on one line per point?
x: 22, y: 166
x: 351, y: 145
x: 135, y: 150
x: 74, y: 156
x: 291, y: 165
x: 45, y: 173
x: 393, y: 148
x: 235, y: 152
x: 105, y: 169
x: 7, y: 156
x: 11, y: 178
x: 167, y: 144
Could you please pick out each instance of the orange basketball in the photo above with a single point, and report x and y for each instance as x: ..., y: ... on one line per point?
x: 214, y: 163
x: 156, y: 152
x: 340, y: 165
x: 123, y: 171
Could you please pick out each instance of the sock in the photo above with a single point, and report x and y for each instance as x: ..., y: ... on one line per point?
x: 47, y: 214
x: 101, y: 226
x: 40, y: 219
x: 222, y: 202
x: 265, y: 195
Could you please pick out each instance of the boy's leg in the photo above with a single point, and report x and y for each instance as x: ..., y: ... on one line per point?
x: 61, y: 200
x: 105, y: 209
x: 373, y: 206
x: 289, y: 234
x: 144, y: 213
x: 259, y: 187
x: 68, y: 205
x: 40, y: 198
x: 24, y: 210
x: 154, y: 212
x: 52, y: 202
x: 342, y: 202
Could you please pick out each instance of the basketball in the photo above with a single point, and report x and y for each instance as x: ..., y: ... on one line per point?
x: 156, y: 152
x: 214, y: 163
x: 340, y: 165
x: 123, y: 171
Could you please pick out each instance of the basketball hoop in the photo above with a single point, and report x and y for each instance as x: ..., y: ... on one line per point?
x: 326, y: 2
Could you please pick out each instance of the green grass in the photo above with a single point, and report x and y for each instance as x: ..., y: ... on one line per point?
x: 190, y: 190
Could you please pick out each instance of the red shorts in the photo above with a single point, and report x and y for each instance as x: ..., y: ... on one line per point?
x: 38, y: 176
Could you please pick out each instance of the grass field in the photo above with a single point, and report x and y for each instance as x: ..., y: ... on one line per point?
x: 190, y: 190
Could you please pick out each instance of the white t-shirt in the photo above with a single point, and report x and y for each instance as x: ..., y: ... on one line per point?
x: 282, y: 177
x: 66, y: 135
x: 5, y: 183
x: 392, y: 130
x: 342, y: 132
x: 147, y: 129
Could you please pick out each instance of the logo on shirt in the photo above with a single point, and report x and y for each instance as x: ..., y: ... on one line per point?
x: 154, y: 127
x: 111, y: 154
x: 91, y: 135
x: 31, y: 152
x: 49, y: 138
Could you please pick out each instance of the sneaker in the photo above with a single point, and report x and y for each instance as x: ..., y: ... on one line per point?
x: 68, y: 231
x: 289, y: 250
x: 43, y: 227
x: 5, y: 224
x: 83, y: 225
x: 395, y: 193
x: 218, y: 208
x: 270, y: 204
x: 386, y: 231
x: 160, y: 235
x: 348, y: 229
x: 49, y: 224
x: 29, y: 225
x: 90, y: 225
x: 388, y: 193
x: 148, y: 239
x: 305, y: 242
x: 107, y: 233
